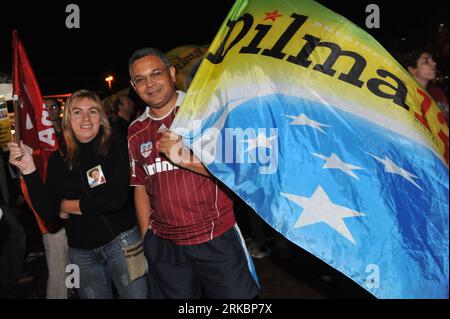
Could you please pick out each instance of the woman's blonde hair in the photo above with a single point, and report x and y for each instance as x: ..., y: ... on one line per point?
x: 69, y: 135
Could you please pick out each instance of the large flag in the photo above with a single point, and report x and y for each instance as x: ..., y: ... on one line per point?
x: 36, y: 129
x: 314, y: 124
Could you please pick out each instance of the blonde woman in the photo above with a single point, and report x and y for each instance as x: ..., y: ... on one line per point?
x: 100, y: 221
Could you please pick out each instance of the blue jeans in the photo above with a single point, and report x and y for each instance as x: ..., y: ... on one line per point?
x: 101, y: 267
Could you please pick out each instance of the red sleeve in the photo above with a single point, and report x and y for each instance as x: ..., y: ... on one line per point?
x: 137, y: 171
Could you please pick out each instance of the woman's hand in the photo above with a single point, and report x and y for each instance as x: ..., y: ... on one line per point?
x: 63, y: 215
x: 68, y: 206
x: 171, y: 147
x: 21, y: 156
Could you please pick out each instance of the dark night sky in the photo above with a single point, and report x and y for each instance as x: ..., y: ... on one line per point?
x: 65, y: 60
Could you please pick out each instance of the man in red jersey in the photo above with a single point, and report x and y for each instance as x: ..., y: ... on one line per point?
x: 193, y: 245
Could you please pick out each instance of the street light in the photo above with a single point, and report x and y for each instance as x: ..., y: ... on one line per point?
x: 109, y: 79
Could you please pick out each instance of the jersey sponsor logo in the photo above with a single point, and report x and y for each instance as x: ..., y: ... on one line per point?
x: 146, y: 149
x: 162, y: 128
x: 159, y: 166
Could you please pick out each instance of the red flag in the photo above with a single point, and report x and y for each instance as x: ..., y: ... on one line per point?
x: 36, y: 129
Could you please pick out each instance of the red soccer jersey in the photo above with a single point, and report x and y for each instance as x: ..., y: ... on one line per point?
x: 188, y: 208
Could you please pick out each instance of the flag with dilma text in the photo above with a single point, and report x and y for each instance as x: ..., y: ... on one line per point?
x: 315, y: 126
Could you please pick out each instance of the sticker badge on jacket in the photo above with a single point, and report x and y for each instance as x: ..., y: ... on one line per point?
x: 95, y: 176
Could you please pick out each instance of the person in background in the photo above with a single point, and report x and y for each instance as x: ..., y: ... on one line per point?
x: 54, y: 114
x: 123, y: 110
x: 54, y: 234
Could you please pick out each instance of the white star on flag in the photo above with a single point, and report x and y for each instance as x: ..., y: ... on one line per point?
x: 319, y: 208
x: 302, y: 119
x: 334, y: 162
x: 261, y: 141
x: 391, y: 167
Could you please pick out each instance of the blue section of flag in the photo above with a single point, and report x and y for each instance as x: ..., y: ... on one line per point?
x: 396, y: 243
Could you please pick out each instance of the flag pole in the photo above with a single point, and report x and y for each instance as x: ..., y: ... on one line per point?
x: 16, y: 118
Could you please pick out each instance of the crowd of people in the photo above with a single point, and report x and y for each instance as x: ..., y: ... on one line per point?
x: 102, y: 205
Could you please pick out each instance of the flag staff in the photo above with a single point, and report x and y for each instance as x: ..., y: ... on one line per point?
x: 16, y: 118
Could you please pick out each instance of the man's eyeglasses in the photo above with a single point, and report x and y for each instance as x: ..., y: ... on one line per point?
x: 156, y: 75
x: 52, y: 106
